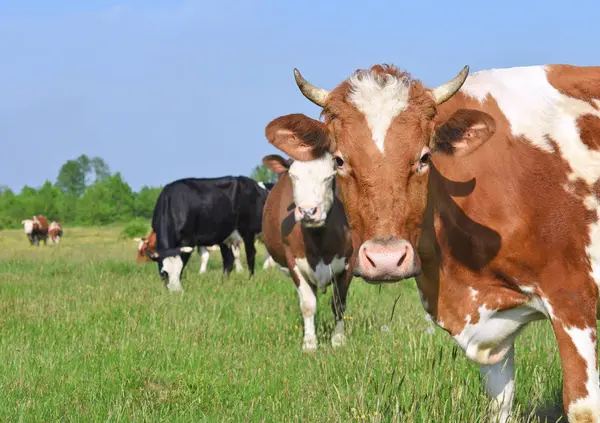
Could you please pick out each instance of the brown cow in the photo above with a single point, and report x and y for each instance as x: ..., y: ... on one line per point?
x: 36, y: 229
x: 305, y: 230
x: 55, y: 232
x: 489, y: 196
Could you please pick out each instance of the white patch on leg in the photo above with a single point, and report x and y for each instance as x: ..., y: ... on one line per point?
x: 204, y: 256
x: 236, y: 254
x: 499, y: 385
x: 581, y: 408
x: 380, y: 98
x: 173, y: 267
x: 308, y: 306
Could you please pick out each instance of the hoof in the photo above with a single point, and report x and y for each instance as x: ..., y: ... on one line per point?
x: 309, y: 345
x: 338, y: 340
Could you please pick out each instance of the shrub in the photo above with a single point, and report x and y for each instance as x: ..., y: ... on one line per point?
x: 135, y: 228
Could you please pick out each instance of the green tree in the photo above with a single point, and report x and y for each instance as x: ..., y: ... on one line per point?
x: 75, y: 175
x: 106, y: 201
x: 145, y: 200
x: 261, y: 173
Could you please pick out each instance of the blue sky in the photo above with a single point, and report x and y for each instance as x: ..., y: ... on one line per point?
x: 169, y: 89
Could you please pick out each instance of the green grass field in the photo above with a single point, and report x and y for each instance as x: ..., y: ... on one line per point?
x: 88, y: 335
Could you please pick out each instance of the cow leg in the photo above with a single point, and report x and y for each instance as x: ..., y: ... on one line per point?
x: 338, y: 305
x: 204, y: 256
x: 499, y: 385
x: 577, y: 344
x: 250, y: 252
x: 227, y: 255
x: 173, y: 266
x: 235, y: 248
x: 308, y: 306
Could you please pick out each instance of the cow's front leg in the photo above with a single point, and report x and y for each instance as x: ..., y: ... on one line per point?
x: 204, y: 256
x: 338, y: 306
x: 499, y: 385
x: 577, y: 343
x: 308, y: 305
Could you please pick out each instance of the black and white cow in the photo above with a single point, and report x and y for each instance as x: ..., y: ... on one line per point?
x: 202, y: 212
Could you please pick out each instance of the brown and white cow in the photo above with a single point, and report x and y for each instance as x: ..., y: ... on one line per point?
x: 486, y: 189
x: 36, y: 229
x: 305, y: 230
x: 55, y: 232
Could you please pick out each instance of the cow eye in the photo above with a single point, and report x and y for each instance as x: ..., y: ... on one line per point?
x: 425, y: 158
x: 339, y: 162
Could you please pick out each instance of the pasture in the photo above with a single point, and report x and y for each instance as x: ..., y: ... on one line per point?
x: 89, y: 335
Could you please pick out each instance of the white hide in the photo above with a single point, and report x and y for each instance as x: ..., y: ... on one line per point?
x: 27, y: 226
x: 173, y: 266
x: 586, y: 347
x: 323, y: 273
x: 312, y: 183
x: 380, y: 99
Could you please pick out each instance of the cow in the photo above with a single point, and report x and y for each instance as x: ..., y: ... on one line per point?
x: 55, y: 232
x: 305, y: 230
x: 486, y: 190
x: 36, y: 230
x: 147, y: 250
x: 201, y: 212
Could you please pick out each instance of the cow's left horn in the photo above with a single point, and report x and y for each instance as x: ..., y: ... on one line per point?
x: 447, y: 90
x: 315, y: 94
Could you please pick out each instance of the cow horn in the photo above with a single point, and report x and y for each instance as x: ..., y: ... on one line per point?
x: 315, y: 94
x: 447, y: 90
x: 137, y: 239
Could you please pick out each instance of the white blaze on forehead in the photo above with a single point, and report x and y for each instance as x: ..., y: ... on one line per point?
x: 312, y: 182
x: 380, y: 98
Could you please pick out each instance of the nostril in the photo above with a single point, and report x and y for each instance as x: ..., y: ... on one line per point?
x: 312, y: 211
x: 371, y: 262
x: 403, y: 255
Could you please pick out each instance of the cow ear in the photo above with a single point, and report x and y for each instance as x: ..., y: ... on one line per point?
x: 299, y: 136
x: 464, y: 132
x: 276, y: 164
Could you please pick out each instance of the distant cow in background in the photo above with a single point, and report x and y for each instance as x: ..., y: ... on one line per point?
x: 36, y: 229
x: 202, y: 212
x: 55, y: 232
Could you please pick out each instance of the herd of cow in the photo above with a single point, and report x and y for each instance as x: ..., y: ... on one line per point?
x: 37, y: 229
x: 485, y: 189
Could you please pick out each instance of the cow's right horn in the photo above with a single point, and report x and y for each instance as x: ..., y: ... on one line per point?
x: 315, y: 94
x: 447, y: 90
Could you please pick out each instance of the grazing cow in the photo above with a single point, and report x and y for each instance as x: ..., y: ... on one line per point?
x: 55, y: 232
x: 305, y: 230
x: 205, y: 211
x: 487, y: 190
x: 36, y: 229
x: 147, y: 250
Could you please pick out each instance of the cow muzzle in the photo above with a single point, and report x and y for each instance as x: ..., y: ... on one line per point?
x: 382, y: 261
x: 311, y: 216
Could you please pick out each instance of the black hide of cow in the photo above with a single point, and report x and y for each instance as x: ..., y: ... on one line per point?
x: 205, y: 211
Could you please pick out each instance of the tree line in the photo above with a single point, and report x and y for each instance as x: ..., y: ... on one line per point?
x: 86, y: 193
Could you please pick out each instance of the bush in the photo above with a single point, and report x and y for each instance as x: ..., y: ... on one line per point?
x: 135, y: 228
